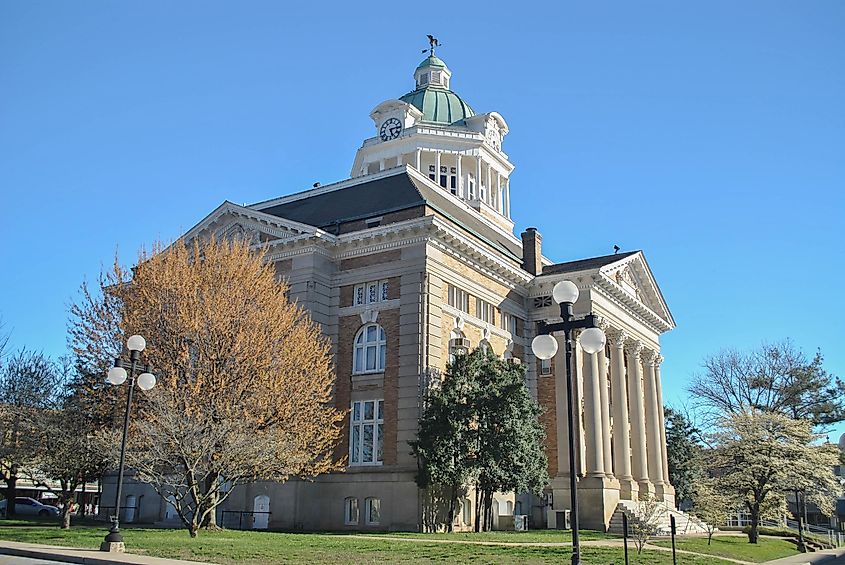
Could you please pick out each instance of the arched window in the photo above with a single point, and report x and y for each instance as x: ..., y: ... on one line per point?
x: 369, y: 351
x: 517, y: 509
x: 509, y: 506
x: 467, y: 510
x: 350, y: 511
x: 458, y: 344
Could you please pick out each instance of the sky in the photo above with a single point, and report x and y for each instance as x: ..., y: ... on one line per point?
x: 709, y: 134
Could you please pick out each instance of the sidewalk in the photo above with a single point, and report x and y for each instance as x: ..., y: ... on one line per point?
x: 84, y: 556
x: 826, y: 557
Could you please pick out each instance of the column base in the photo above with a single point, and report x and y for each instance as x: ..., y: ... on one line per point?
x: 113, y: 546
x: 628, y: 489
x: 668, y: 494
x: 597, y: 500
x: 646, y: 488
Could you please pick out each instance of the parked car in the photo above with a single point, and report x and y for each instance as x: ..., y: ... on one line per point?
x: 25, y: 506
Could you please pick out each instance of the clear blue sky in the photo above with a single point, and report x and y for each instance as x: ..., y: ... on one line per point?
x: 710, y: 134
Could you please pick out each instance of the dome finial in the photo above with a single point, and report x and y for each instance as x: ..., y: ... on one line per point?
x: 432, y: 42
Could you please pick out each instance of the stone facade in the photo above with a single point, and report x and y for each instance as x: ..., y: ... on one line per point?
x: 428, y: 259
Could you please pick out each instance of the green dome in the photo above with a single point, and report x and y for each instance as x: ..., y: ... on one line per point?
x: 439, y: 105
x: 433, y: 61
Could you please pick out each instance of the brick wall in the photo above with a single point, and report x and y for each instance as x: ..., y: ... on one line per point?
x: 369, y: 260
x: 348, y: 326
x: 390, y: 218
x: 546, y: 400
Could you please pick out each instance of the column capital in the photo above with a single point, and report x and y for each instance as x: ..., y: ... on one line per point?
x: 617, y: 337
x: 649, y: 357
x: 658, y: 360
x: 635, y: 347
x: 603, y: 324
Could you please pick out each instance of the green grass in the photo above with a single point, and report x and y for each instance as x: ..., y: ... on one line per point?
x: 736, y: 547
x: 535, y: 536
x: 254, y: 548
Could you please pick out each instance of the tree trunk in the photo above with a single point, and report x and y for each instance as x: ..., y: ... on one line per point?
x: 477, y: 527
x: 66, y: 514
x: 451, y: 516
x: 193, y: 529
x: 212, y: 485
x: 753, y: 533
x: 11, y: 490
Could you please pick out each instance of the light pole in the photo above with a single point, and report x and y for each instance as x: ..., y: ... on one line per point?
x: 117, y: 376
x: 544, y: 346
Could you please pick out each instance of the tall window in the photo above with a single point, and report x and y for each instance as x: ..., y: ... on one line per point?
x: 545, y: 366
x: 370, y: 292
x: 459, y: 299
x: 458, y: 344
x: 508, y: 322
x: 470, y: 187
x: 366, y: 442
x: 350, y: 511
x: 484, y: 310
x: 453, y: 180
x: 444, y: 176
x: 372, y: 509
x: 467, y: 508
x: 370, y: 350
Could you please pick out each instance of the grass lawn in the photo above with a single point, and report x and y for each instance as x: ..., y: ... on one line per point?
x: 737, y: 547
x: 255, y: 548
x: 534, y: 536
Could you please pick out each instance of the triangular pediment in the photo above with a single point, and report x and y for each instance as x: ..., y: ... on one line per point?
x: 231, y: 221
x: 633, y: 277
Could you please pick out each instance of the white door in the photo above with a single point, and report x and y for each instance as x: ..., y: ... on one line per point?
x: 131, y: 503
x: 261, y: 510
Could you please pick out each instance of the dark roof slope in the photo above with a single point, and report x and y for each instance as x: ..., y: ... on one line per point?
x: 381, y: 196
x: 584, y: 264
x: 364, y: 200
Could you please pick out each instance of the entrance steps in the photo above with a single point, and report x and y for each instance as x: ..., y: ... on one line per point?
x: 684, y: 523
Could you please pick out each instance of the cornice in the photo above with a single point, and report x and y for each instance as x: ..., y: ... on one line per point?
x: 614, y: 293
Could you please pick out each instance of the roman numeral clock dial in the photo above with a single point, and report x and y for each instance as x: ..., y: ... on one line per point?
x: 390, y: 129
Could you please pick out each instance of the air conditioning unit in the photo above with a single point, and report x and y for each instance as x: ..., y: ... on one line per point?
x: 562, y: 520
x: 460, y: 342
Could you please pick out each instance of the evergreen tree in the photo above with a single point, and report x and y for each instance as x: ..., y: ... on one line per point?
x: 445, y: 439
x: 684, y: 455
x: 481, y: 426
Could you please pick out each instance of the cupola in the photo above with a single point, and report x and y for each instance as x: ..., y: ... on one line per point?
x: 432, y: 72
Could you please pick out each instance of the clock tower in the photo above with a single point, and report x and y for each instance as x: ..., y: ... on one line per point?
x: 435, y: 131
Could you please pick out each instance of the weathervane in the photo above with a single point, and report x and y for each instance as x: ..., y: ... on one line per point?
x: 432, y: 41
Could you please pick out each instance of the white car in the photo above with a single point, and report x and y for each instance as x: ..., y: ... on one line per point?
x: 25, y: 506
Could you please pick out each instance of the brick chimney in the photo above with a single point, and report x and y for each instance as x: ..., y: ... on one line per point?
x: 531, y: 243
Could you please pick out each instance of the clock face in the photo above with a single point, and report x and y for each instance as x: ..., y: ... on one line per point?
x: 390, y: 129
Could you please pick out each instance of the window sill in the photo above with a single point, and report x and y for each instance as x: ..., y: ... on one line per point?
x: 368, y: 373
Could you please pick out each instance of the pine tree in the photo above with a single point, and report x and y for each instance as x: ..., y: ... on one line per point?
x: 684, y: 455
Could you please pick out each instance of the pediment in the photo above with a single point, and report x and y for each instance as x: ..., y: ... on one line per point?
x: 230, y: 221
x: 633, y: 278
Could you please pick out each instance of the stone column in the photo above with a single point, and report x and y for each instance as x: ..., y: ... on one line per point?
x: 593, y: 416
x: 604, y: 401
x: 562, y: 425
x: 654, y: 443
x: 668, y: 489
x: 621, y: 427
x: 578, y: 404
x: 478, y: 176
x: 460, y: 188
x: 399, y: 160
x: 437, y: 167
x: 419, y: 160
x: 636, y: 402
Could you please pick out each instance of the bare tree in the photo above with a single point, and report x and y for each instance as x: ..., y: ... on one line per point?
x: 646, y: 524
x: 67, y: 454
x: 29, y: 383
x: 245, y: 376
x: 774, y: 377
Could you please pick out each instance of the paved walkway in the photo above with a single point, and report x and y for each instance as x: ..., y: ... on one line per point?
x: 826, y: 557
x: 83, y: 556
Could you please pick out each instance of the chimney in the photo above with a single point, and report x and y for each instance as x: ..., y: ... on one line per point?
x: 531, y: 242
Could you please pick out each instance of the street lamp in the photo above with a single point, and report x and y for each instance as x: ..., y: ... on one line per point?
x: 544, y: 347
x: 117, y: 375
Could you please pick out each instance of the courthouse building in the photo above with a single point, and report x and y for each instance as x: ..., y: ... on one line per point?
x: 416, y: 255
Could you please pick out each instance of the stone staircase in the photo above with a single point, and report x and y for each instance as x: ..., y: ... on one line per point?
x: 684, y: 523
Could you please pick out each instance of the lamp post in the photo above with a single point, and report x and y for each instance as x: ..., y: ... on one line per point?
x: 117, y: 375
x: 544, y: 346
